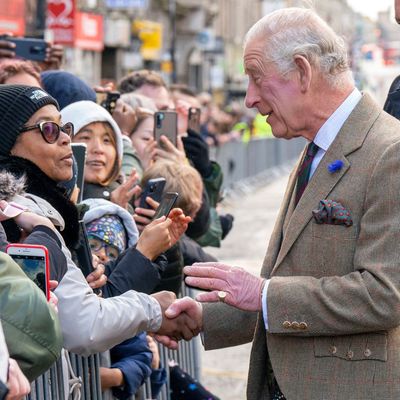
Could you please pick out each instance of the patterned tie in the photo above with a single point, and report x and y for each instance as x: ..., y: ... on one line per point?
x: 304, y: 170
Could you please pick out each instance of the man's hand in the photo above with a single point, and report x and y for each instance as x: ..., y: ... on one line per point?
x: 18, y: 384
x: 243, y: 290
x: 170, y: 152
x: 175, y: 325
x: 197, y: 152
x: 192, y: 310
x: 125, y: 117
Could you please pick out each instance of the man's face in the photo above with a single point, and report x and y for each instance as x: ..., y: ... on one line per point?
x: 159, y: 94
x: 397, y: 10
x: 271, y: 94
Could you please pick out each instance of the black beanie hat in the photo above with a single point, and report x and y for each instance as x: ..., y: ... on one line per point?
x: 17, y: 104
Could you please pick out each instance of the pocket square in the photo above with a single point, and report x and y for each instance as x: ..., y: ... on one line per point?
x: 332, y: 212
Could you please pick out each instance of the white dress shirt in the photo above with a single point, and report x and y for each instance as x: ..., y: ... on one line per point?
x: 323, y: 139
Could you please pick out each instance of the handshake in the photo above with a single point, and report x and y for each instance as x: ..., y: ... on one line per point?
x: 181, y: 319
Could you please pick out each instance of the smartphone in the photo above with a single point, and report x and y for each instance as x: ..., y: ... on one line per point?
x: 154, y: 189
x: 107, y: 100
x: 194, y: 119
x: 111, y: 101
x: 34, y: 261
x: 167, y: 203
x: 166, y: 123
x: 28, y: 48
x: 80, y: 151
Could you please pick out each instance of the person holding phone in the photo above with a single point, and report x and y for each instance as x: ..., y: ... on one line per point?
x: 36, y: 144
x: 97, y: 129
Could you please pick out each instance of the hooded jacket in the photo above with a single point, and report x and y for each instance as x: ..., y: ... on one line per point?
x: 89, y: 324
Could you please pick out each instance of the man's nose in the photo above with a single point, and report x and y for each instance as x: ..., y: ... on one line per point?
x: 251, y: 97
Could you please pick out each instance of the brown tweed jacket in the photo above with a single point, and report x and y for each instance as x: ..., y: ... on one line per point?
x: 334, y: 296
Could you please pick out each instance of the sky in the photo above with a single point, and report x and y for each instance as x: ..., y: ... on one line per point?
x: 370, y: 7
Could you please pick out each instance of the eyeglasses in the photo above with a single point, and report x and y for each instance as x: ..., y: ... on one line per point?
x: 96, y: 245
x: 50, y: 130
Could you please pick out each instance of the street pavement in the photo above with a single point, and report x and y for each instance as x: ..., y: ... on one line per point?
x: 224, y: 372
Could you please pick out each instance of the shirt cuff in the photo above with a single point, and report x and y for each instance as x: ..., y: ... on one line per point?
x: 265, y: 304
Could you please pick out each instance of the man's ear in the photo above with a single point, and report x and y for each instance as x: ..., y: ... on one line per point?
x: 304, y: 71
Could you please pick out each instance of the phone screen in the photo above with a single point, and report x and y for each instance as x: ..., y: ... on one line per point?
x: 34, y: 267
x: 166, y: 205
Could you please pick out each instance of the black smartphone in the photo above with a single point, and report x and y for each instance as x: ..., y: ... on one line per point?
x: 154, y: 189
x: 79, y: 150
x: 108, y: 100
x: 111, y: 101
x: 194, y: 119
x: 167, y: 203
x: 166, y: 123
x: 28, y: 48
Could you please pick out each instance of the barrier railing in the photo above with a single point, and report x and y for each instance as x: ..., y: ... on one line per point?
x: 244, y: 160
x: 77, y: 377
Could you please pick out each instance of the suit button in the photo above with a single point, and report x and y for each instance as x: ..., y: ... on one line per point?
x: 350, y: 355
x: 333, y: 350
x: 295, y: 325
x: 303, y: 326
x: 367, y: 353
x: 286, y: 324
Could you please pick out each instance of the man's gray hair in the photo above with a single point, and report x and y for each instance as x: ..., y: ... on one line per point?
x: 298, y: 31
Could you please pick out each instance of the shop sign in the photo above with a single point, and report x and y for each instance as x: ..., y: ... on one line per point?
x: 60, y: 20
x: 150, y: 34
x: 12, y: 17
x: 89, y: 31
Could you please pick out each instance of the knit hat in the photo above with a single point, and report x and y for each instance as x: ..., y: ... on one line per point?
x: 66, y: 87
x: 110, y: 230
x: 17, y: 104
x: 83, y: 113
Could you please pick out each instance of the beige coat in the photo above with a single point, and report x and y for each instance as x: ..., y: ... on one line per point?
x: 334, y: 298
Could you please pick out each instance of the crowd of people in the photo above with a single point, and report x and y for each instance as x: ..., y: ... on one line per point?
x: 323, y: 316
x: 114, y: 299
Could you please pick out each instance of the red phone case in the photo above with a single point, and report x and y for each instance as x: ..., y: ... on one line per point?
x: 47, y: 261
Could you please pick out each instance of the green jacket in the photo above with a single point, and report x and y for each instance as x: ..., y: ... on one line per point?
x: 30, y: 326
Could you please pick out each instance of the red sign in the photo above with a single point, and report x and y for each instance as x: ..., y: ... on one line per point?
x: 60, y: 20
x: 89, y: 31
x: 12, y: 17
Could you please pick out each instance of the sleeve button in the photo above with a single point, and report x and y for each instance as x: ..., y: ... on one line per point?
x: 286, y: 324
x: 333, y: 350
x: 367, y: 353
x: 303, y: 326
x: 295, y: 325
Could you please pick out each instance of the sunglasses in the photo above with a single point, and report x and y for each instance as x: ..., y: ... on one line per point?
x: 50, y: 130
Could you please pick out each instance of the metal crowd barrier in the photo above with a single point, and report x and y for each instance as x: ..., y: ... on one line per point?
x: 240, y: 161
x: 85, y: 384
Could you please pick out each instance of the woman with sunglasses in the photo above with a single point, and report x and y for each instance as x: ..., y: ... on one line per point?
x: 35, y: 143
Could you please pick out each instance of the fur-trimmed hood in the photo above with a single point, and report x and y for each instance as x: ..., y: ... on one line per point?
x: 36, y: 182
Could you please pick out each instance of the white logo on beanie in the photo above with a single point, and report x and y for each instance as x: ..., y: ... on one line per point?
x: 37, y: 94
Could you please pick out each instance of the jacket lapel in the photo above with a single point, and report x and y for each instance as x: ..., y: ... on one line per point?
x: 276, y: 237
x: 349, y: 139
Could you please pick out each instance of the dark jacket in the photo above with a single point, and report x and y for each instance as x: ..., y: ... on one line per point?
x: 133, y: 357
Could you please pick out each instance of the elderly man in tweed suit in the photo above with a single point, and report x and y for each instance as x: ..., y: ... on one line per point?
x: 324, y: 316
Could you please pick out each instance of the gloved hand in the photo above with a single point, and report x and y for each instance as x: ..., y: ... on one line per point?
x: 240, y: 288
x: 196, y: 150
